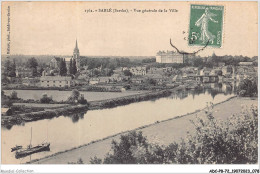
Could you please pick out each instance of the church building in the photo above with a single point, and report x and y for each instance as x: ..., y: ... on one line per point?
x: 55, y: 62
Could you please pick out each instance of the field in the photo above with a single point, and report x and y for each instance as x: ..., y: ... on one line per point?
x: 63, y: 95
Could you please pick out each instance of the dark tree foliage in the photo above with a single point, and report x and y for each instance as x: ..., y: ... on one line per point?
x: 149, y: 60
x: 33, y: 64
x: 12, y: 72
x: 9, y: 69
x: 63, y: 68
x: 248, y: 87
x: 127, y: 73
x: 74, y: 67
x: 46, y: 99
x: 70, y: 67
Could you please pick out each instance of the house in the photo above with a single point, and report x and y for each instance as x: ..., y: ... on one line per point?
x: 207, y: 79
x: 118, y: 77
x: 221, y: 64
x: 157, y: 77
x: 138, y: 71
x: 56, y: 81
x: 177, y: 78
x: 104, y: 79
x: 137, y: 80
x: 227, y: 70
x: 118, y: 70
x: 23, y: 72
x: 245, y: 63
x: 93, y: 81
x: 205, y: 72
x: 155, y: 70
x: 215, y: 72
x: 55, y: 62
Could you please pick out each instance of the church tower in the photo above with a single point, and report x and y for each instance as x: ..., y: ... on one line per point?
x: 76, y: 55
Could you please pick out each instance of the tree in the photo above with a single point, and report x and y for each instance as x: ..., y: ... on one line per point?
x: 12, y: 72
x: 33, y: 64
x: 74, y: 96
x: 74, y: 67
x: 46, y: 99
x: 248, y: 87
x: 82, y: 100
x: 70, y: 67
x: 127, y: 73
x: 63, y: 68
x: 197, y: 62
x: 13, y: 95
x: 7, y: 67
x: 151, y: 82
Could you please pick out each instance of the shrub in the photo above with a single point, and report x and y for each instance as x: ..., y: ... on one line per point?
x: 46, y: 99
x: 82, y: 100
x: 74, y: 96
x: 248, y: 87
x: 13, y: 95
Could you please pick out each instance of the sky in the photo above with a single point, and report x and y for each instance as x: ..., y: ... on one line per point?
x: 51, y: 28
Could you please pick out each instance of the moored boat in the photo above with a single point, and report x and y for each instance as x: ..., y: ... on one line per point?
x: 32, y: 150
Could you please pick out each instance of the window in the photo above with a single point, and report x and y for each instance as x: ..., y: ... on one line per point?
x: 54, y: 81
x: 47, y: 81
x: 60, y: 81
x: 42, y: 81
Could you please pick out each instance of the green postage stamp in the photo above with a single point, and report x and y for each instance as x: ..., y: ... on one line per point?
x: 206, y: 25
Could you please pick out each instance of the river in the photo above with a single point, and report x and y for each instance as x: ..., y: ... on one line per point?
x: 71, y: 131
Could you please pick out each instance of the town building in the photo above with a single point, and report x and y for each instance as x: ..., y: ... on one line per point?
x: 245, y: 63
x: 169, y: 57
x: 55, y: 81
x: 138, y: 71
x: 23, y: 72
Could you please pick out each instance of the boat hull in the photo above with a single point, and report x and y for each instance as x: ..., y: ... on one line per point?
x: 40, y: 148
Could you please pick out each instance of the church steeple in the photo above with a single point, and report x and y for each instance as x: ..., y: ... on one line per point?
x: 76, y: 47
x: 76, y: 55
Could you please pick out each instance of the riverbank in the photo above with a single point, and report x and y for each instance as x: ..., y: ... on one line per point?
x: 49, y: 113
x: 102, y: 104
x: 164, y: 132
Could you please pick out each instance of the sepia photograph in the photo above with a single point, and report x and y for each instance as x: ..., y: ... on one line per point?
x: 173, y: 83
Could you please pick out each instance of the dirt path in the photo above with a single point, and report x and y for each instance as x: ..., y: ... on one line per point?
x: 163, y: 133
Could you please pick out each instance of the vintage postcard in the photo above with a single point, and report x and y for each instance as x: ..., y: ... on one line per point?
x: 130, y: 83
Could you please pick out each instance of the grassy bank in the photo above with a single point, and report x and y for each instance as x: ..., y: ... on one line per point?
x: 33, y: 116
x: 110, y: 103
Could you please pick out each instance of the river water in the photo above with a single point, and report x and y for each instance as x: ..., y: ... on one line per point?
x: 66, y: 132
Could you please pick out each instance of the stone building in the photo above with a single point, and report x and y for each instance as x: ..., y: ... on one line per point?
x: 169, y: 57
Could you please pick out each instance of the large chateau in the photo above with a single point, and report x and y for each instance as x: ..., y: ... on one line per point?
x: 169, y: 57
x: 55, y: 62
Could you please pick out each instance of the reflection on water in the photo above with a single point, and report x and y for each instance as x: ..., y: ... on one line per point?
x: 66, y: 132
x: 75, y: 117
